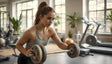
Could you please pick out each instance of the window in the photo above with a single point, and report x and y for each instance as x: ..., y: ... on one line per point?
x: 98, y: 9
x: 4, y: 18
x: 60, y: 11
x: 28, y: 13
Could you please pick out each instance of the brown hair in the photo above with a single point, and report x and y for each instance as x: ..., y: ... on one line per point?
x: 43, y: 9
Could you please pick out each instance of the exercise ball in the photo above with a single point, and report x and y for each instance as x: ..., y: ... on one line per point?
x: 68, y: 41
x: 2, y: 42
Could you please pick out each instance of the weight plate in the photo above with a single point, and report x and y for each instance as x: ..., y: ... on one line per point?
x: 92, y: 40
x: 37, y: 54
x: 74, y: 50
x: 44, y: 53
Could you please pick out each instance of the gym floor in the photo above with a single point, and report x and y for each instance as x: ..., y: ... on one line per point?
x: 61, y: 58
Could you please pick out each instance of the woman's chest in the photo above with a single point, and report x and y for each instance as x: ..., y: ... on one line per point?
x: 44, y: 35
x: 41, y: 35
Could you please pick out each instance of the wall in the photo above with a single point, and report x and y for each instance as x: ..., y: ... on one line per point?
x: 71, y: 7
x: 105, y: 37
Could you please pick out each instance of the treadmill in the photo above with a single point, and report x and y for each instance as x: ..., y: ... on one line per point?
x: 97, y: 49
x: 100, y: 43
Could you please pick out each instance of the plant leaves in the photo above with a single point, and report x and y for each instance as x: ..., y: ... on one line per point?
x: 74, y: 19
x: 16, y: 23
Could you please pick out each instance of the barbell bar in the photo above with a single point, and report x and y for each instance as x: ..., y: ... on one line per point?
x: 39, y: 55
x: 56, y: 52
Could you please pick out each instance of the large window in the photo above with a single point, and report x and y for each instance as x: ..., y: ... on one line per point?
x: 98, y: 9
x: 4, y: 23
x: 60, y: 11
x: 28, y: 10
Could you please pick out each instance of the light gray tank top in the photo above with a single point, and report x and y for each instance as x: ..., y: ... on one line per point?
x: 37, y: 40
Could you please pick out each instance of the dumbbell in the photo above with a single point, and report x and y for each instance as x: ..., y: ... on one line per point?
x: 39, y: 55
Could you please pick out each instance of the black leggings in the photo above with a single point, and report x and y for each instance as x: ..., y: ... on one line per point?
x: 22, y: 59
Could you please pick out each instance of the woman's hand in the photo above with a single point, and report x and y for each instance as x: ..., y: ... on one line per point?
x: 29, y: 51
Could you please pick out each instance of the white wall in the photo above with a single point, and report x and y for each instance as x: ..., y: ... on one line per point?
x: 71, y: 7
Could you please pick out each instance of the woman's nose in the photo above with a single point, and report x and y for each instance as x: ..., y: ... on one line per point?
x: 50, y: 21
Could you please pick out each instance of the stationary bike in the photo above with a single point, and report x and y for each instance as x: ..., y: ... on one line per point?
x: 2, y: 36
x: 83, y: 50
x: 93, y: 48
x: 92, y: 39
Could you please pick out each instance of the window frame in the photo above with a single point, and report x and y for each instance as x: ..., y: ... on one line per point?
x: 61, y: 14
x: 105, y: 14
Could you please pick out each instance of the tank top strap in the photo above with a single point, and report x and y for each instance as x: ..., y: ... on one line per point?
x: 37, y: 31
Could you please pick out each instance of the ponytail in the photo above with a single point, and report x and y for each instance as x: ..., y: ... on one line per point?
x: 43, y: 9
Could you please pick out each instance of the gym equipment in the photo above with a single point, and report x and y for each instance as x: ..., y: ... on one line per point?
x: 2, y: 42
x: 13, y: 46
x: 94, y: 48
x: 39, y: 56
x: 7, y: 38
x: 4, y: 58
x: 84, y: 51
x: 36, y: 57
x: 92, y: 39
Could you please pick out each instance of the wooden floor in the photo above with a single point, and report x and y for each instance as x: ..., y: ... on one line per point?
x: 62, y: 58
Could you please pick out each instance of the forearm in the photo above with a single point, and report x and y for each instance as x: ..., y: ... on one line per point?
x: 21, y: 49
x: 63, y: 46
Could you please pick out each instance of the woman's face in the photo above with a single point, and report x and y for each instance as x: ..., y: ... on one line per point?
x: 47, y: 20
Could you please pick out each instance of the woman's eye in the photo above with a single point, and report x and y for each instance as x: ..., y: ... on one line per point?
x: 48, y: 18
x: 53, y: 18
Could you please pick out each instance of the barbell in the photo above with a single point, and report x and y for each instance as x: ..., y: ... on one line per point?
x: 39, y: 55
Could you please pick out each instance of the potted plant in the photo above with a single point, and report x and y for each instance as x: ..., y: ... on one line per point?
x: 74, y: 20
x: 56, y: 22
x: 16, y: 23
x: 70, y: 34
x: 109, y: 17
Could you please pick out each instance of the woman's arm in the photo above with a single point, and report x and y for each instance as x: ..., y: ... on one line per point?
x: 57, y: 40
x: 22, y: 41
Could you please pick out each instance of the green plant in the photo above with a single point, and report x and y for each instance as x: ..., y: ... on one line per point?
x: 70, y: 34
x: 16, y: 23
x: 74, y: 20
x: 109, y: 17
x: 57, y: 21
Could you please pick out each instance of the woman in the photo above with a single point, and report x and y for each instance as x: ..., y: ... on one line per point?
x: 38, y: 34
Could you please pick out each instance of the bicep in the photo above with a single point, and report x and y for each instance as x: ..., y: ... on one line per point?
x: 55, y: 38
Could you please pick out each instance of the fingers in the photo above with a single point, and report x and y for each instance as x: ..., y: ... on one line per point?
x: 29, y: 52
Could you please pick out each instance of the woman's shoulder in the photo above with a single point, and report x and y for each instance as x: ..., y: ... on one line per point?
x: 30, y: 31
x: 51, y: 30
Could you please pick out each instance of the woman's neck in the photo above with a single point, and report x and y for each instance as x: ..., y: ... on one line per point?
x: 41, y: 28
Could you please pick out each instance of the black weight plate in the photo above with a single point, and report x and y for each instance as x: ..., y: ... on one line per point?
x: 92, y: 40
x: 74, y: 50
x: 44, y: 53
